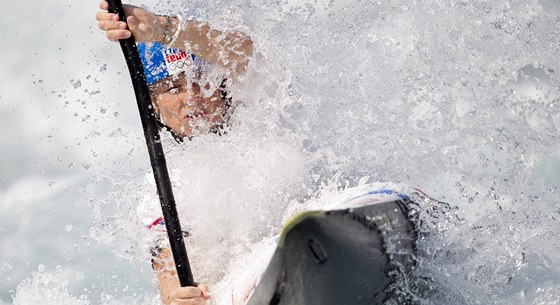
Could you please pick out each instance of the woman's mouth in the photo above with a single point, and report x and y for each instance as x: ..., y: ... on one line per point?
x: 195, y: 114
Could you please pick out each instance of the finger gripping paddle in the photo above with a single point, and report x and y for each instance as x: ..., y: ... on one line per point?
x: 155, y: 149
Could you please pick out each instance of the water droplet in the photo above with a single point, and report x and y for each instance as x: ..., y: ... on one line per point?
x: 77, y: 84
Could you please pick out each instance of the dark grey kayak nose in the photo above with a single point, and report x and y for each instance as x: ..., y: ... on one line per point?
x: 349, y: 256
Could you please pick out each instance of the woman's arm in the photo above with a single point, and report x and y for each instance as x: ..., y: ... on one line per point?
x: 170, y: 290
x: 231, y: 50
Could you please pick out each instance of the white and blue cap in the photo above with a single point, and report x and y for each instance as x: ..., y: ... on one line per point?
x: 161, y: 62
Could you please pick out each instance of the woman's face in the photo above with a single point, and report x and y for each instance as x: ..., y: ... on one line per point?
x: 185, y: 108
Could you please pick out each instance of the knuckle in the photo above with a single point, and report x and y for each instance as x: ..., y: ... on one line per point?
x: 102, y: 16
x: 110, y: 36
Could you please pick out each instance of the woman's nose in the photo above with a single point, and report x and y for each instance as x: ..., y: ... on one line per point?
x: 189, y: 98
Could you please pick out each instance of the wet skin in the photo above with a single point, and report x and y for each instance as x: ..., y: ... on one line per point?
x: 185, y: 108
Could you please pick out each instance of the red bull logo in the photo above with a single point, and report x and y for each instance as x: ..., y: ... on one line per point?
x: 177, y: 60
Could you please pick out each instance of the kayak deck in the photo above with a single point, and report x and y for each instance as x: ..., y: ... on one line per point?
x: 339, y: 257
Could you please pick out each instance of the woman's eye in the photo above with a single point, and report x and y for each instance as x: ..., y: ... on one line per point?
x: 173, y: 90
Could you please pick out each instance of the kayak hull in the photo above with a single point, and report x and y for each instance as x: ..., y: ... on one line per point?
x: 349, y: 255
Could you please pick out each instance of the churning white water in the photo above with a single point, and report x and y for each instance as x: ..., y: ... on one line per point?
x: 458, y: 98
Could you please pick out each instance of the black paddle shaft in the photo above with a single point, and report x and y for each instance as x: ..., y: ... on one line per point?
x: 155, y: 149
